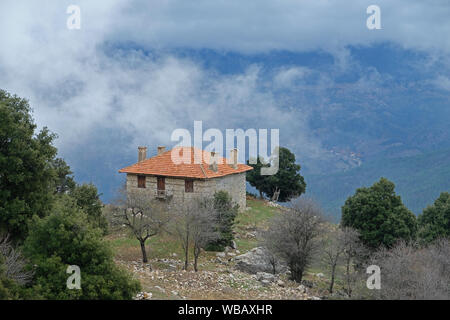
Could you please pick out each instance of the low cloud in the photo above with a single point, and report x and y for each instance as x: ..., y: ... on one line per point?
x: 114, y: 74
x: 442, y: 82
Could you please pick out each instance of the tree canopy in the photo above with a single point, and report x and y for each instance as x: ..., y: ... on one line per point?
x: 71, y: 240
x: 287, y: 181
x: 434, y: 222
x: 225, y: 211
x: 26, y: 173
x: 379, y: 215
x: 87, y: 198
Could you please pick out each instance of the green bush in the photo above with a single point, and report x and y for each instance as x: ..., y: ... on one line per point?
x: 26, y: 174
x: 287, y: 180
x: 64, y: 238
x: 88, y: 199
x: 226, y: 213
x: 379, y: 215
x: 434, y: 222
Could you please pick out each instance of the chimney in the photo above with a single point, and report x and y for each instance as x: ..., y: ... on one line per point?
x: 161, y: 150
x: 142, y: 153
x: 213, y: 162
x: 234, y: 158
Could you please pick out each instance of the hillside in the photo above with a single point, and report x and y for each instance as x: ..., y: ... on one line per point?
x: 418, y: 179
x: 217, y: 278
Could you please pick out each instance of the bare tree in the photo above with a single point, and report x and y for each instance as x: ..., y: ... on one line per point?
x: 14, y: 262
x: 293, y: 236
x: 272, y: 259
x: 412, y: 272
x: 333, y: 251
x: 145, y: 217
x: 204, y: 229
x: 342, y: 248
x: 353, y: 254
x: 194, y: 225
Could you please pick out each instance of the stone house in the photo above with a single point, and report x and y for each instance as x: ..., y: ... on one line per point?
x: 193, y: 173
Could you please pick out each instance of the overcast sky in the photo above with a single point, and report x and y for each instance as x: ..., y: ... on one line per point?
x: 122, y: 71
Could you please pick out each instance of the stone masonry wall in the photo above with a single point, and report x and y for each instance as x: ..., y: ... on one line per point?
x: 234, y: 184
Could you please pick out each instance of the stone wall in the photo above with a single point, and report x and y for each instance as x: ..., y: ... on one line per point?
x: 234, y: 184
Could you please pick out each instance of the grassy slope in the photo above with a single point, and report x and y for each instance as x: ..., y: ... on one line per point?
x: 163, y: 246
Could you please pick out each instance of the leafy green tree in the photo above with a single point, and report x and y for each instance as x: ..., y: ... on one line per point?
x: 287, y: 181
x: 87, y: 198
x: 255, y: 178
x: 64, y: 238
x: 64, y: 181
x: 434, y: 222
x: 379, y: 215
x: 26, y: 176
x: 226, y: 212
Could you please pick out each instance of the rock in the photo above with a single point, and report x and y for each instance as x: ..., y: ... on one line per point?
x: 250, y: 235
x: 227, y: 290
x: 144, y: 296
x: 257, y: 260
x: 227, y: 249
x: 265, y: 276
x: 320, y: 275
x: 273, y: 204
x: 174, y: 255
x: 220, y: 254
x: 281, y: 283
x: 238, y: 252
x: 220, y: 261
x: 302, y: 289
x: 265, y: 282
x: 307, y: 283
x: 233, y: 245
x: 147, y: 295
x: 175, y: 293
x: 172, y: 267
x: 231, y: 254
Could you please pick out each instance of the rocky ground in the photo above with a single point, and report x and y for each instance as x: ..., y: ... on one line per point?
x: 216, y: 279
x: 243, y: 271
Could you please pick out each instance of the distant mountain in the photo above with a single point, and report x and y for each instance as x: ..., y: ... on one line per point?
x: 380, y: 115
x: 418, y: 179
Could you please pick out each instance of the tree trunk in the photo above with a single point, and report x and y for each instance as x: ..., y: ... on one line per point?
x: 144, y: 252
x: 260, y: 194
x: 196, y: 254
x: 297, y: 274
x: 333, y: 270
x: 186, y: 258
x: 349, y: 290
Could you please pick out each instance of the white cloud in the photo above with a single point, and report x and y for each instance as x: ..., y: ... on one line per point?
x: 442, y: 82
x: 77, y: 86
x: 261, y: 25
x: 287, y: 76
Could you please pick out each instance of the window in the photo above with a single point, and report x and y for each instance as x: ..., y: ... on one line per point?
x: 161, y: 184
x: 188, y: 185
x: 141, y: 181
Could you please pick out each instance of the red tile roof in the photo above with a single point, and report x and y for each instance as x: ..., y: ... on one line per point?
x: 163, y: 165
